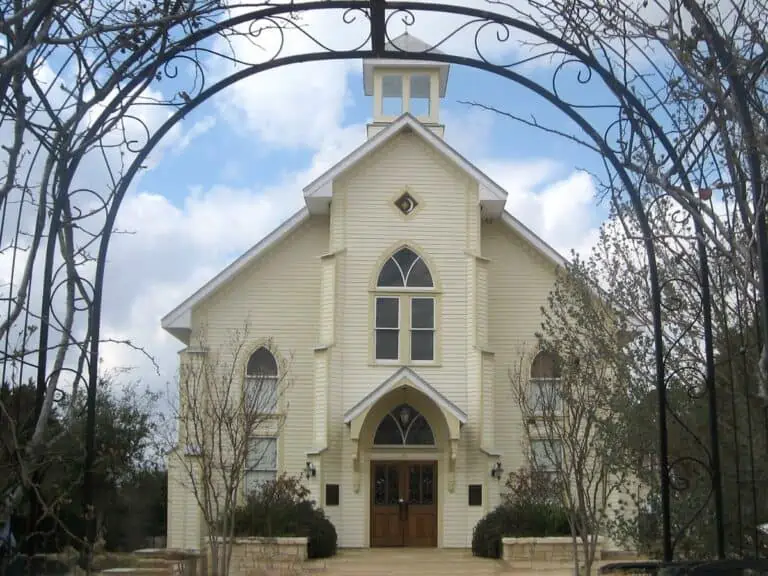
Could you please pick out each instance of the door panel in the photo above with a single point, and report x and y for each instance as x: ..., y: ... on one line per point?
x: 421, y: 528
x: 404, y: 504
x: 386, y: 526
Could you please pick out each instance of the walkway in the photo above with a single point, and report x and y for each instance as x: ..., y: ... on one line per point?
x: 405, y: 561
x: 424, y: 562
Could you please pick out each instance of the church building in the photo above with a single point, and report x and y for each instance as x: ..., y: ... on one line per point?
x: 402, y: 294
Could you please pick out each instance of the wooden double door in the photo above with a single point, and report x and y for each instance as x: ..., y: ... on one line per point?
x: 404, y: 504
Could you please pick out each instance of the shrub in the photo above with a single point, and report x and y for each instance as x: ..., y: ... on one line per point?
x: 519, y: 521
x: 528, y: 486
x: 281, y: 508
x: 529, y: 510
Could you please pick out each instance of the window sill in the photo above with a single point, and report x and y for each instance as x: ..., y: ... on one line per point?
x: 400, y: 447
x: 385, y: 363
x: 410, y: 364
x: 401, y: 291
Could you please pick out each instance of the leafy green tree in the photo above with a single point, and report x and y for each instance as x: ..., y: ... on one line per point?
x: 125, y: 480
x: 139, y: 511
x: 742, y: 441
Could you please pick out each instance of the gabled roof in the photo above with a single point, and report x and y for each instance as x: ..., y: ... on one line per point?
x: 536, y: 241
x: 318, y: 193
x: 415, y: 381
x: 179, y: 320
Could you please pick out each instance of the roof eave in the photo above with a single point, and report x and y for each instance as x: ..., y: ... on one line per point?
x: 444, y: 71
x: 532, y: 238
x: 417, y: 382
x: 178, y: 322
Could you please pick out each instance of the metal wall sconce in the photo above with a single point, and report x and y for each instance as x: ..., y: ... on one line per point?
x: 310, y: 470
x: 497, y: 470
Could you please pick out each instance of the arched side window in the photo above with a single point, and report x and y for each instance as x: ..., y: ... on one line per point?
x: 261, y: 376
x: 404, y: 426
x: 546, y: 372
x: 405, y: 271
x: 260, y: 396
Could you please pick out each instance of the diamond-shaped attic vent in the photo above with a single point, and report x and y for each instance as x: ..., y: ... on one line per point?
x: 406, y: 203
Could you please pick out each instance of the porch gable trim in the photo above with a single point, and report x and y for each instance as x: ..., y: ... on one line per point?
x: 418, y: 383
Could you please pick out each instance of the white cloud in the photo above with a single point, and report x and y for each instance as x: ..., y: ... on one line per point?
x: 557, y: 205
x: 469, y: 132
x: 174, y: 250
x: 297, y: 106
x: 198, y: 129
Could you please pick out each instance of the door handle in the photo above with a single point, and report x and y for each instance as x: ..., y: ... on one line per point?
x: 402, y: 509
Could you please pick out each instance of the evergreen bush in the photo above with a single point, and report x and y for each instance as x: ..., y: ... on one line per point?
x: 529, y: 509
x: 281, y: 508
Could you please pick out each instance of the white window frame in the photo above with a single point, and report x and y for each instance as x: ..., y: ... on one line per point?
x: 259, y: 468
x: 535, y: 393
x: 433, y: 329
x: 549, y: 467
x: 376, y: 329
x: 411, y: 98
x: 403, y: 103
x: 262, y: 382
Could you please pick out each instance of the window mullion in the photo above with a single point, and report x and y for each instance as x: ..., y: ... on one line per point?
x: 405, y: 322
x: 406, y: 92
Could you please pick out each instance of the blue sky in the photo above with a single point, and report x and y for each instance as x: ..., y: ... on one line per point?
x: 235, y: 168
x: 227, y: 155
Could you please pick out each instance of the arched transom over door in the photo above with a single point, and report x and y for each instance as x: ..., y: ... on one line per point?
x: 404, y: 494
x: 404, y: 426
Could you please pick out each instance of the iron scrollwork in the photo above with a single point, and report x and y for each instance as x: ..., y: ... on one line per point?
x: 80, y: 220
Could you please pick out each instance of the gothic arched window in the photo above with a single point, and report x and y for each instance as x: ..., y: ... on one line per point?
x: 261, y: 378
x: 260, y: 397
x: 405, y: 268
x: 545, y: 396
x: 405, y: 271
x: 404, y: 426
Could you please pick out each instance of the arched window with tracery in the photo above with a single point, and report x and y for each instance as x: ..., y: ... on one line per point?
x: 545, y: 381
x: 261, y: 376
x: 404, y: 426
x: 405, y: 277
x: 546, y: 402
x: 260, y: 399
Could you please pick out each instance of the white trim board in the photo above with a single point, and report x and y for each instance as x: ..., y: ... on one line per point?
x: 534, y: 240
x: 179, y: 320
x: 417, y: 382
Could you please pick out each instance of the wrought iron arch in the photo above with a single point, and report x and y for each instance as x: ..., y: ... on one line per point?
x: 632, y: 114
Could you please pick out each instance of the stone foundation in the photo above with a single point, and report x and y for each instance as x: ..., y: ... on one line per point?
x: 140, y: 571
x: 551, y: 549
x: 256, y: 555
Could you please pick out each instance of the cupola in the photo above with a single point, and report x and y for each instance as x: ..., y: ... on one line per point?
x: 400, y: 86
